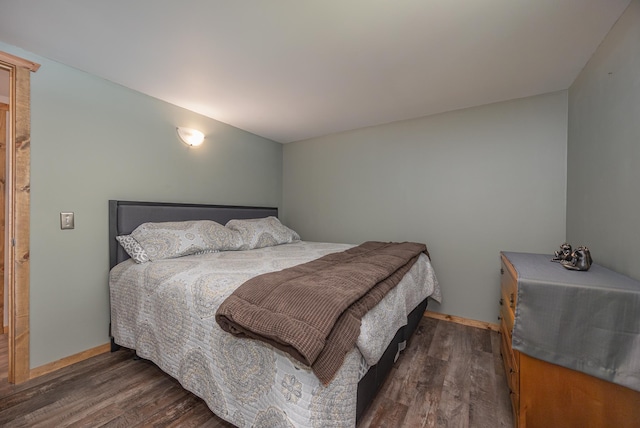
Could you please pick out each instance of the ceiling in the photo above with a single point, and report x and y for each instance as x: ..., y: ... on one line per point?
x: 289, y: 70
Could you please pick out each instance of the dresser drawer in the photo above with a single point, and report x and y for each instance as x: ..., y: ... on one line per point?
x: 515, y: 407
x: 508, y: 293
x: 511, y: 363
x: 510, y: 358
x: 507, y: 315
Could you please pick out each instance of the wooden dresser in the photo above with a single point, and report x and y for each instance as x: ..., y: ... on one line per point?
x: 510, y: 358
x: 547, y: 395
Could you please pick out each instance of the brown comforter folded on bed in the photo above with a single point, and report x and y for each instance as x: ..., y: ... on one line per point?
x: 312, y: 311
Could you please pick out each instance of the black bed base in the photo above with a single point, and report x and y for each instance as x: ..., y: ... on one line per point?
x: 371, y: 383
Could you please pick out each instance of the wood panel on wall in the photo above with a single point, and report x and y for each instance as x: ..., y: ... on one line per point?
x: 18, y: 231
x: 17, y: 214
x: 4, y: 110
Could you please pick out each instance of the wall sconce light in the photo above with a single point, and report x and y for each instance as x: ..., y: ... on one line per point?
x: 191, y: 137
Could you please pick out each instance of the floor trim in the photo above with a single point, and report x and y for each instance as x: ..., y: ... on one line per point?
x: 464, y: 321
x: 67, y: 361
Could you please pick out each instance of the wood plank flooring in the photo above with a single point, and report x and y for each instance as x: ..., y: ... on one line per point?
x: 450, y: 375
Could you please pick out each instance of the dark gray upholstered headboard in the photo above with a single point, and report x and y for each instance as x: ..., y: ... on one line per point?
x: 125, y: 216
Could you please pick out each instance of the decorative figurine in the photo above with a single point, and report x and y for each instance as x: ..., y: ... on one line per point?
x: 564, y: 254
x: 580, y: 260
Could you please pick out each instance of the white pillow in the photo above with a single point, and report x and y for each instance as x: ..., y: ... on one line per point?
x: 133, y: 248
x: 168, y: 240
x: 262, y: 232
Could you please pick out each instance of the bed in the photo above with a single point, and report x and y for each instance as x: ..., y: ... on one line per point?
x: 165, y: 310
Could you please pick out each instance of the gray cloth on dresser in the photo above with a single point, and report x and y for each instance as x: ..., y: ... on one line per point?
x: 586, y: 321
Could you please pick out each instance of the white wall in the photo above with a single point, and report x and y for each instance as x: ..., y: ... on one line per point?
x: 91, y: 141
x: 603, y: 199
x: 468, y: 183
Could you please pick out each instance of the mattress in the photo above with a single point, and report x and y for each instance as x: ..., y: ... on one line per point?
x: 165, y: 310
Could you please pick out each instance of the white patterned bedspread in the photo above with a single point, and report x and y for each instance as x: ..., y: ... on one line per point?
x: 165, y: 310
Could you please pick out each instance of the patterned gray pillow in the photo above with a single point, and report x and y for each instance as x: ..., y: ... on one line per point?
x: 133, y: 248
x: 262, y: 232
x: 168, y: 240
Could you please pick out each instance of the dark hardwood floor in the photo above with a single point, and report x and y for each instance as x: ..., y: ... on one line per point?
x: 449, y: 376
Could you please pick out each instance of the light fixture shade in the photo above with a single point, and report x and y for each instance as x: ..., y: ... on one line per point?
x: 191, y: 137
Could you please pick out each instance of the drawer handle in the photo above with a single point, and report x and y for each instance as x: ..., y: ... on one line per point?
x: 499, y: 317
x: 501, y: 271
x: 501, y: 302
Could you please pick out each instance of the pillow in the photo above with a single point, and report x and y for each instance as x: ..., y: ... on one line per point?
x: 133, y: 248
x: 200, y: 253
x: 262, y: 232
x: 168, y: 240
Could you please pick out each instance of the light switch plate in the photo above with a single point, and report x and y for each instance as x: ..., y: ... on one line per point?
x: 66, y: 221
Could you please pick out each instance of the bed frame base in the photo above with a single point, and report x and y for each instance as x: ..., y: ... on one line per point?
x: 371, y: 383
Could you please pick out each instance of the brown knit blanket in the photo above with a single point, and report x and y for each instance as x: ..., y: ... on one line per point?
x: 313, y: 311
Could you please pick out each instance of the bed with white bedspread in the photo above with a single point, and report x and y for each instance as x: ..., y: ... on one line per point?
x: 165, y: 311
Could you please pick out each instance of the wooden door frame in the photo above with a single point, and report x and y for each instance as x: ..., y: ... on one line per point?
x: 17, y: 214
x: 4, y: 130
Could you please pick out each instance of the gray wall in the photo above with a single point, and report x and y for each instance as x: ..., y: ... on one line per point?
x: 92, y: 141
x: 469, y: 184
x: 603, y: 191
